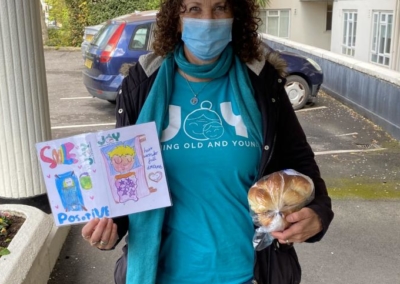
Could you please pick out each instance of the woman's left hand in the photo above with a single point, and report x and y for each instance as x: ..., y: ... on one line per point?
x: 305, y: 224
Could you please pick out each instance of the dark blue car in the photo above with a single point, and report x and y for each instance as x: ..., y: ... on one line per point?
x: 304, y: 77
x: 124, y: 39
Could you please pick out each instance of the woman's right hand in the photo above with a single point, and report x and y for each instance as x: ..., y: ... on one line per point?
x: 101, y: 233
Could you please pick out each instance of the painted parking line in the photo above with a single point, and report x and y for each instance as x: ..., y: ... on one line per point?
x: 346, y: 151
x: 77, y: 98
x: 347, y: 134
x: 337, y: 135
x: 311, y: 108
x: 83, y: 125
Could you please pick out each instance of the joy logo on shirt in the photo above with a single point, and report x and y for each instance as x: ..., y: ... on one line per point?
x: 203, y: 124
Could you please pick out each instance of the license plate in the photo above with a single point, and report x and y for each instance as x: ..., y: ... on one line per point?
x: 88, y: 63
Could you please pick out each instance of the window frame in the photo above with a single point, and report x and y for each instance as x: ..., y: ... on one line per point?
x: 376, y: 38
x: 349, y: 41
x: 278, y: 15
x: 329, y: 16
x: 145, y: 47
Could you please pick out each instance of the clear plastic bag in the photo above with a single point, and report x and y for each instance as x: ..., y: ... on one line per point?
x: 274, y: 197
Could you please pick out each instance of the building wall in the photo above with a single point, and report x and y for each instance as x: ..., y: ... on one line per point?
x: 364, y: 9
x: 307, y: 21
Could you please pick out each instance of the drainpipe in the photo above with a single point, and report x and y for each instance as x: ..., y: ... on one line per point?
x: 396, y: 38
x: 24, y: 105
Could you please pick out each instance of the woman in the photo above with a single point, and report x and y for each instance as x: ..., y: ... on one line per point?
x: 224, y: 121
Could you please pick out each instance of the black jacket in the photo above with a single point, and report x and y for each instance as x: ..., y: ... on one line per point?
x: 285, y: 144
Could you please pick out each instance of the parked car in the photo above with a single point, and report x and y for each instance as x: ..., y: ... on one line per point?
x: 90, y: 31
x: 119, y: 41
x: 304, y: 78
x: 88, y: 35
x: 124, y: 39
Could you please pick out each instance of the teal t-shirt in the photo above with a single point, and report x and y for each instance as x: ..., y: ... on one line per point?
x: 211, y: 162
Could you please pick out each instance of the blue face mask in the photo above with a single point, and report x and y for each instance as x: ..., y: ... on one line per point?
x: 206, y: 38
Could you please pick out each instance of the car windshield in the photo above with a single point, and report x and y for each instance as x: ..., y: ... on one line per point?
x: 104, y: 35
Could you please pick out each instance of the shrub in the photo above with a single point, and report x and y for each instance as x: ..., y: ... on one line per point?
x: 5, y: 222
x: 73, y: 15
x: 103, y: 10
x: 78, y: 15
x: 58, y: 37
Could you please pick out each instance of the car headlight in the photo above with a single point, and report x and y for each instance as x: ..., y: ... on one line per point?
x: 315, y: 64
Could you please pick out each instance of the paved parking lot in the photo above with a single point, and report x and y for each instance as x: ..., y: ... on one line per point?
x: 72, y: 109
x: 359, y: 161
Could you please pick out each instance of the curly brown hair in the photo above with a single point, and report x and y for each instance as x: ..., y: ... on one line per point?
x: 245, y: 40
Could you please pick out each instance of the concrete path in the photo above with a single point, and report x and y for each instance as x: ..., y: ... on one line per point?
x: 361, y: 247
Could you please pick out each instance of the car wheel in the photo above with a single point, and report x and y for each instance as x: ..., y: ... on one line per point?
x: 298, y: 91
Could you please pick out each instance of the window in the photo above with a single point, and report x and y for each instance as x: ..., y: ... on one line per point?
x: 140, y: 38
x: 349, y: 32
x: 381, y: 37
x: 104, y: 34
x: 329, y: 8
x: 278, y: 23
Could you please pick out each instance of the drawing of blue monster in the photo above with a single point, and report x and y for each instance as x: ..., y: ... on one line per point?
x: 70, y: 192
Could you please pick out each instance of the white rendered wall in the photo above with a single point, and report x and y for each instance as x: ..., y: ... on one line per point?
x: 307, y: 21
x: 364, y: 9
x: 24, y: 110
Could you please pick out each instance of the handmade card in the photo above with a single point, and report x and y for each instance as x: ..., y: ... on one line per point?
x: 104, y: 174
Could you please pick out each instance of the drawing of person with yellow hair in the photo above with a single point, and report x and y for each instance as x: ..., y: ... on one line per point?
x: 123, y: 159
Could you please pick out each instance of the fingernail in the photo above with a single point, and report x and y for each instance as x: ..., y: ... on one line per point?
x: 94, y: 243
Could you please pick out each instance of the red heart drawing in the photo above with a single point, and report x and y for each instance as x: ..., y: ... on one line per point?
x: 94, y: 170
x: 48, y: 176
x: 91, y: 197
x: 80, y: 166
x: 56, y: 206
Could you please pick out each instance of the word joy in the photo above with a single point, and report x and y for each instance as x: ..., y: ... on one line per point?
x: 110, y: 138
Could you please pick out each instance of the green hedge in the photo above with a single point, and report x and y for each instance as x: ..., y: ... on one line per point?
x: 78, y: 18
x: 58, y: 37
x: 104, y: 10
x: 74, y: 15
